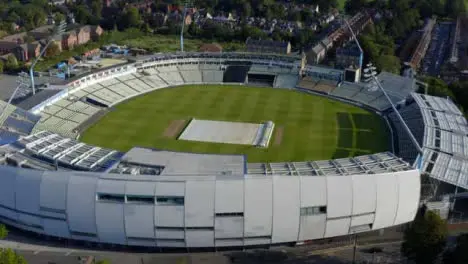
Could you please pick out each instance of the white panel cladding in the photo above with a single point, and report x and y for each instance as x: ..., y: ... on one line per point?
x: 258, y: 207
x: 139, y: 221
x: 110, y: 222
x: 387, y: 200
x: 409, y: 184
x: 111, y: 186
x: 169, y: 215
x: 229, y: 196
x: 199, y: 203
x: 364, y: 194
x: 312, y: 227
x: 337, y: 227
x: 28, y: 187
x: 286, y: 203
x: 170, y: 243
x: 30, y: 220
x: 257, y: 241
x: 81, y: 201
x: 229, y: 227
x: 141, y: 242
x: 163, y: 233
x: 8, y: 213
x: 54, y: 191
x: 339, y: 196
x: 313, y: 191
x: 362, y: 219
x: 56, y: 228
x: 229, y: 242
x: 7, y: 186
x: 170, y: 188
x: 140, y: 188
x: 199, y: 238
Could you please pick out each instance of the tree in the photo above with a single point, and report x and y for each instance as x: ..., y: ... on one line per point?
x: 388, y: 63
x: 59, y: 17
x: 354, y: 6
x: 438, y: 87
x: 1, y: 71
x: 96, y: 8
x: 11, y: 63
x: 52, y: 50
x: 8, y: 256
x: 3, y: 230
x: 130, y: 18
x: 425, y: 239
x: 458, y: 254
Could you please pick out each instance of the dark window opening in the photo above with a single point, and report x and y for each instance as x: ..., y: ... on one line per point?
x: 111, y: 198
x: 140, y: 199
x: 170, y: 200
x: 229, y: 214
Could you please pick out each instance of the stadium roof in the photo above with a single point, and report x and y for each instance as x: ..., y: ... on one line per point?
x: 181, y: 163
x: 445, y: 142
x: 38, y: 98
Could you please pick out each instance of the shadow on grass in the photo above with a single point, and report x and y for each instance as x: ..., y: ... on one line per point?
x: 366, y: 121
x: 343, y: 120
x: 341, y: 153
x: 345, y: 138
x: 365, y: 140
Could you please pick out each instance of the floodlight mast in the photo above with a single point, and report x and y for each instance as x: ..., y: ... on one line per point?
x: 58, y: 31
x: 371, y: 74
x: 186, y: 6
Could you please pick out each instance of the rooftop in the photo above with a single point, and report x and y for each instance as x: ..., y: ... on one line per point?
x: 181, y: 163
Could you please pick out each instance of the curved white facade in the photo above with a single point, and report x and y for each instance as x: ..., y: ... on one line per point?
x: 196, y: 211
x: 211, y: 211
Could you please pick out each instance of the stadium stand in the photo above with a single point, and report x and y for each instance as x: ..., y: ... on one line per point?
x: 91, y: 198
x: 288, y: 81
x: 236, y: 72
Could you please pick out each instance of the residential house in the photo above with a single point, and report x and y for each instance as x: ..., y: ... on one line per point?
x: 316, y: 54
x: 83, y: 35
x: 211, y: 47
x: 349, y: 55
x: 268, y: 46
x: 69, y: 40
x: 42, y: 32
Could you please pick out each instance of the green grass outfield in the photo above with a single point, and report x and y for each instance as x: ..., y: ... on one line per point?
x: 315, y: 127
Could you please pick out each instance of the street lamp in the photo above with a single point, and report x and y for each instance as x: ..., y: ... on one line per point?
x: 58, y: 31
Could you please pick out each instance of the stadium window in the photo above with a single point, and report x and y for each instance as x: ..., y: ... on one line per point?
x: 230, y: 214
x: 313, y: 210
x: 104, y: 197
x: 140, y: 199
x: 207, y: 228
x: 170, y: 200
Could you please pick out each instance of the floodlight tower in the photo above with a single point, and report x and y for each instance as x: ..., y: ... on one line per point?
x: 22, y: 82
x: 370, y: 74
x: 187, y: 5
x: 58, y: 31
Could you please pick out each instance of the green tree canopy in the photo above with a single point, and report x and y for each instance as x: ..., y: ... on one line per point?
x: 11, y: 63
x: 8, y: 256
x: 425, y: 240
x: 52, y: 50
x: 438, y: 87
x: 3, y: 230
x: 388, y: 63
x: 130, y: 18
